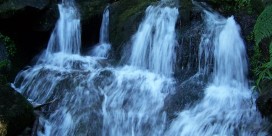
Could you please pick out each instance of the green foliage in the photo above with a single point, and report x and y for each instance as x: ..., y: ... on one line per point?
x: 233, y: 5
x: 133, y: 10
x: 270, y: 51
x: 263, y: 30
x: 264, y: 73
x: 242, y: 4
x: 9, y: 44
x: 263, y: 26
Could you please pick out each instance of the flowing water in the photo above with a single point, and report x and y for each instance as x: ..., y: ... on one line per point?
x: 85, y: 95
x: 228, y: 106
x: 103, y: 47
x: 127, y: 107
x: 154, y: 42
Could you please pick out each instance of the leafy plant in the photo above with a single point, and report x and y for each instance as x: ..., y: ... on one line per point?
x: 263, y: 26
x: 263, y: 30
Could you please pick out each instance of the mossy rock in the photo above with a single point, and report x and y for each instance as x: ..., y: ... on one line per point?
x: 9, y: 8
x: 125, y: 16
x: 90, y: 8
x: 16, y: 113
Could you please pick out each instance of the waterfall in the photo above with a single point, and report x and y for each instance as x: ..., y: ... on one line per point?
x: 209, y: 40
x: 66, y: 37
x: 133, y: 104
x: 86, y: 95
x: 153, y: 45
x: 227, y: 107
x: 127, y: 106
x: 103, y: 47
x: 65, y: 79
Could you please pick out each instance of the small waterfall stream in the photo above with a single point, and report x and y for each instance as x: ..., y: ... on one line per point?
x: 86, y: 95
x: 103, y: 47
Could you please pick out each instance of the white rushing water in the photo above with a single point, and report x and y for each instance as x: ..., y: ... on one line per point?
x: 66, y: 36
x: 103, y: 47
x: 154, y: 43
x: 228, y: 106
x: 134, y: 105
x: 87, y: 96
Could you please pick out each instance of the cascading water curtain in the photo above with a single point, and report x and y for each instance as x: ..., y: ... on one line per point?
x: 153, y: 45
x: 227, y: 107
x: 88, y: 96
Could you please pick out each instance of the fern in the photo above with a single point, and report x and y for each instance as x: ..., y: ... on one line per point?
x: 263, y: 26
x: 262, y: 30
x: 265, y: 72
x: 270, y: 51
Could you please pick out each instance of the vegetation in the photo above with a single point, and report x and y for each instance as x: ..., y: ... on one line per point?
x: 5, y: 62
x: 263, y: 35
x: 233, y: 5
x: 9, y: 44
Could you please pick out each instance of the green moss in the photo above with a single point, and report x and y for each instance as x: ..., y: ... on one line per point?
x: 124, y: 20
x: 9, y: 44
x: 5, y: 63
x: 91, y: 8
x: 139, y: 7
x: 15, y: 111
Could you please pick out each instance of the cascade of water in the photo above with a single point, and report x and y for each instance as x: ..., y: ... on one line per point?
x: 133, y: 105
x: 226, y: 108
x: 126, y: 109
x: 153, y: 45
x: 209, y: 40
x: 66, y: 37
x: 89, y: 98
x: 66, y: 79
x: 103, y: 47
x: 104, y: 30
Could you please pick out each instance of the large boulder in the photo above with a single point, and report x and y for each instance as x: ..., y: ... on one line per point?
x: 15, y: 112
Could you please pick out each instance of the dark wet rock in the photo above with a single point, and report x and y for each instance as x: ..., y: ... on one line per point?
x: 264, y: 101
x: 9, y: 8
x: 125, y: 17
x: 188, y: 93
x: 16, y: 113
x: 103, y: 79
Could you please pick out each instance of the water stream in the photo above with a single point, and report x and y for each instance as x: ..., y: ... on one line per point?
x: 86, y: 95
x: 103, y: 47
x: 228, y: 105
